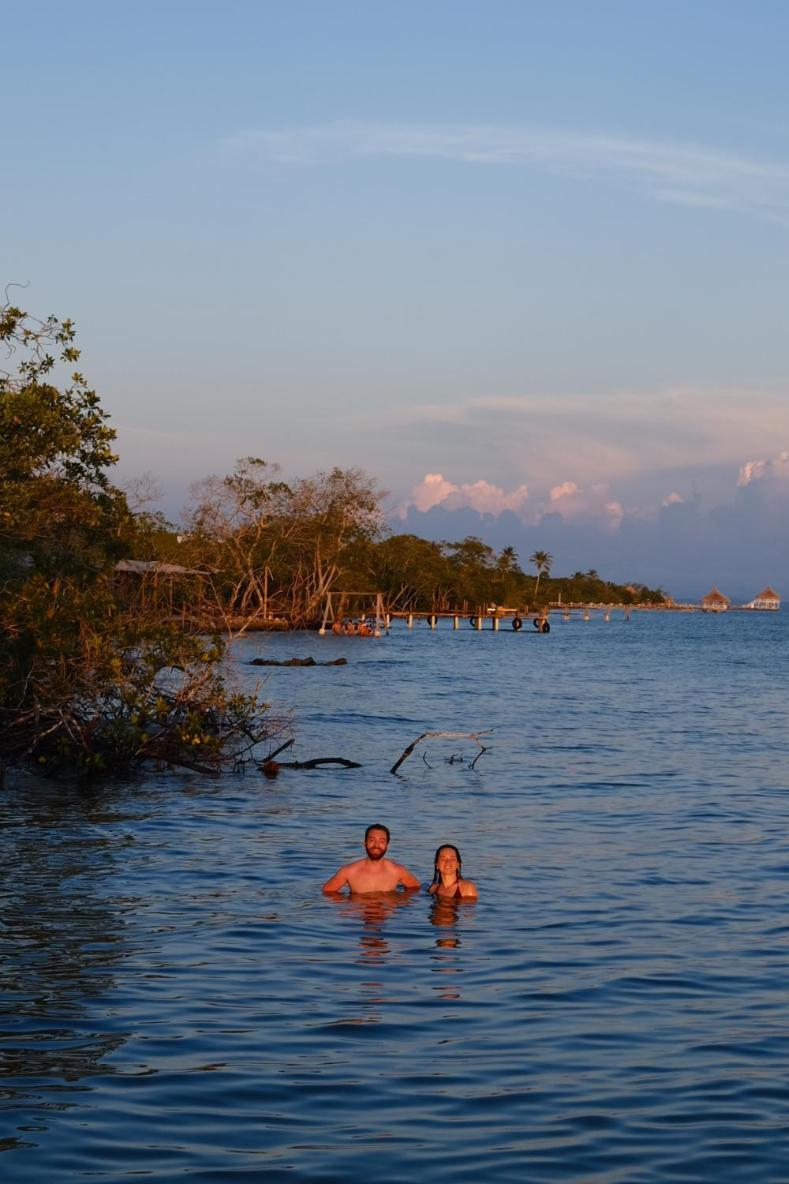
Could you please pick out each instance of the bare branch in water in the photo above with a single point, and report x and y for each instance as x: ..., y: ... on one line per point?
x: 482, y: 748
x: 475, y: 736
x: 270, y: 767
x: 277, y: 751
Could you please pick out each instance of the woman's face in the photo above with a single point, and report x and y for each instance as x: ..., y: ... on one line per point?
x: 447, y: 861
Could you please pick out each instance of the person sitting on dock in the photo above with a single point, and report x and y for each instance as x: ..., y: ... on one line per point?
x: 374, y: 873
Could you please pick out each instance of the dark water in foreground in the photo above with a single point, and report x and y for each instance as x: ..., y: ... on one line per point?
x: 179, y: 1002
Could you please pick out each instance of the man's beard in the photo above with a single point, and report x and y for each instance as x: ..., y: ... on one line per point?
x: 375, y: 855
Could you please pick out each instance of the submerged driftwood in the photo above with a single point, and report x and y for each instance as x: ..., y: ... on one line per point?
x: 475, y: 736
x: 271, y: 767
x: 296, y: 662
x: 317, y: 762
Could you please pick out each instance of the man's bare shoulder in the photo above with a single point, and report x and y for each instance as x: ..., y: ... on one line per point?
x: 343, y: 876
x: 405, y: 877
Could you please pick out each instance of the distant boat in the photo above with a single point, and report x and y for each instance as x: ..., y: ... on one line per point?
x: 715, y: 602
x: 768, y: 598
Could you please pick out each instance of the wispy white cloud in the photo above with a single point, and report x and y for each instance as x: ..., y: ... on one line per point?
x: 680, y: 173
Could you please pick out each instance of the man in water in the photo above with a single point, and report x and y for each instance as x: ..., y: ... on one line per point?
x: 374, y: 873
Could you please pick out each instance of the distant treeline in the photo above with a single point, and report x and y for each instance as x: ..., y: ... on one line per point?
x: 271, y: 548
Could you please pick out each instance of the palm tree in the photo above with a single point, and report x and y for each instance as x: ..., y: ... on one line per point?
x: 507, y: 560
x: 543, y: 561
x: 508, y: 574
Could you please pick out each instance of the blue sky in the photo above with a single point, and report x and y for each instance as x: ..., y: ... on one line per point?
x: 536, y: 252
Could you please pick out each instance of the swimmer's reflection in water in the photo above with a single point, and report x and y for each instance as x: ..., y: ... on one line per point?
x: 444, y: 915
x: 372, y: 909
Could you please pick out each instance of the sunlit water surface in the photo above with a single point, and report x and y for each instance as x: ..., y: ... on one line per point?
x: 181, y: 1002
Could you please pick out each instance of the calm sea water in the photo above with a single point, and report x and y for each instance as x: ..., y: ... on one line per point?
x: 180, y: 1002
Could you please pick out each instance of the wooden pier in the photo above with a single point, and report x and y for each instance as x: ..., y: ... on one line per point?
x: 365, y: 614
x: 479, y: 619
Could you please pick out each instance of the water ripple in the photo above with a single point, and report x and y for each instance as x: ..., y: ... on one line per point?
x: 177, y: 999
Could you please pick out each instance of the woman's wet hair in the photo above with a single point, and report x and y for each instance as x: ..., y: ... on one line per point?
x: 377, y: 826
x: 445, y: 847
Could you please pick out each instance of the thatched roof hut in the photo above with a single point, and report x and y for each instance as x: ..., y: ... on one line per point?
x: 714, y: 602
x: 768, y: 598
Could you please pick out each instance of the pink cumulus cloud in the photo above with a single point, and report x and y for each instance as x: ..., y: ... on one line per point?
x: 566, y: 498
x: 761, y: 470
x: 484, y: 497
x: 492, y: 499
x: 572, y: 501
x: 566, y: 489
x: 615, y: 512
x: 431, y: 491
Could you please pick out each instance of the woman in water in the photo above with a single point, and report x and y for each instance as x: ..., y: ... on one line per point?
x: 448, y: 883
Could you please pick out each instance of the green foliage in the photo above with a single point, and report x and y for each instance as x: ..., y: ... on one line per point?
x: 58, y: 510
x: 422, y: 576
x: 589, y: 588
x: 92, y: 678
x: 96, y: 688
x: 412, y: 572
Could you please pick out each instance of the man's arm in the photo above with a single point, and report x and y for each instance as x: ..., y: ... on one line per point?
x: 337, y: 881
x: 407, y: 879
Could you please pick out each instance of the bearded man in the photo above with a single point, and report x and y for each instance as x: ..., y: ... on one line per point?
x: 374, y: 873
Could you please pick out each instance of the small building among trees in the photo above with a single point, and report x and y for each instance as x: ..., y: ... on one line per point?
x: 715, y: 602
x: 768, y: 598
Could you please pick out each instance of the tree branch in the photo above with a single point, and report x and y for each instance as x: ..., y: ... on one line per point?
x: 475, y: 736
